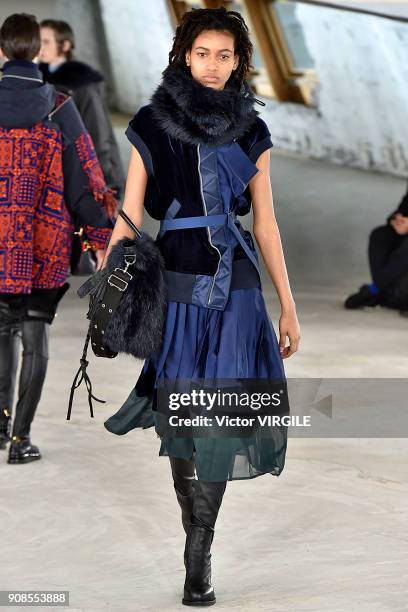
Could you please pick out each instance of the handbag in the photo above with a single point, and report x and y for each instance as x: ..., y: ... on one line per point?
x: 127, y: 305
x: 83, y: 260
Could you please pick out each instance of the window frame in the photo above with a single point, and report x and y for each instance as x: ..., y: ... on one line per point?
x: 288, y: 83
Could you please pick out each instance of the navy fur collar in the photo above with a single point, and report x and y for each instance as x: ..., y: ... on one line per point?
x: 193, y: 113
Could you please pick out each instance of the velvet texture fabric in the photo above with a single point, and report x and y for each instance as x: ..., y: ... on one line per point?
x: 181, y: 141
x: 182, y: 115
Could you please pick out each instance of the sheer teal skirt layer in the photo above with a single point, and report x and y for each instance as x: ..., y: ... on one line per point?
x: 201, y: 343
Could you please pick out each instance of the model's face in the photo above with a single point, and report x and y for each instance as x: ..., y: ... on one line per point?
x: 212, y: 58
x: 49, y: 52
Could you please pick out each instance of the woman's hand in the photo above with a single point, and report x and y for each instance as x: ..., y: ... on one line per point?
x: 288, y: 327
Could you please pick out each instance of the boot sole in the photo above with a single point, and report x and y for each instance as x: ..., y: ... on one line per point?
x: 198, y: 603
x: 367, y: 307
x: 25, y: 460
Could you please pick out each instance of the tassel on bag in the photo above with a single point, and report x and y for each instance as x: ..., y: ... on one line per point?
x: 127, y: 305
x: 83, y: 374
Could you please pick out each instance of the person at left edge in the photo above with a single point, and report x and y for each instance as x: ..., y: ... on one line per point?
x: 49, y: 176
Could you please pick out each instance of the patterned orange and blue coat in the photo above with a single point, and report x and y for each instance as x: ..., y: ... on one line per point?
x: 49, y: 174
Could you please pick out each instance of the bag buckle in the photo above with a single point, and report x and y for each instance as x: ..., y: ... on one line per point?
x: 123, y: 284
x: 130, y: 260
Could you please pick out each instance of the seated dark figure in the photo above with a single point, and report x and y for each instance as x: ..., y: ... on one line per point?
x: 388, y: 259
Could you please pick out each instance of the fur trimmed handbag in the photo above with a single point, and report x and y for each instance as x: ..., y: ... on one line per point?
x: 127, y: 306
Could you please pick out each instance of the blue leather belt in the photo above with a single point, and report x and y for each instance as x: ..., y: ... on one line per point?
x: 190, y: 222
x: 211, y: 221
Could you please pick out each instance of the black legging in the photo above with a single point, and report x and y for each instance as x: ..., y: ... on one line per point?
x: 35, y: 336
x: 388, y: 256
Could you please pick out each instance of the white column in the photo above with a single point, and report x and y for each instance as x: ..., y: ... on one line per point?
x: 139, y: 36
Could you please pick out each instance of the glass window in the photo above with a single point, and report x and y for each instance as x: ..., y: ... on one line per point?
x: 293, y: 33
x: 282, y: 65
x: 259, y: 80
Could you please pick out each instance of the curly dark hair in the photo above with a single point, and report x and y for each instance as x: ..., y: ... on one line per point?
x: 196, y: 21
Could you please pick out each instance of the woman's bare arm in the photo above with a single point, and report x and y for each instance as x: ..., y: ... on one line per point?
x: 133, y: 203
x: 266, y: 233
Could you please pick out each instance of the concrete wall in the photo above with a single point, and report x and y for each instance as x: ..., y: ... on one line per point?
x: 139, y: 37
x: 43, y: 9
x: 362, y: 97
x: 90, y: 41
x: 84, y: 18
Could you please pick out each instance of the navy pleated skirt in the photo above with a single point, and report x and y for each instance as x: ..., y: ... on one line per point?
x: 202, y: 343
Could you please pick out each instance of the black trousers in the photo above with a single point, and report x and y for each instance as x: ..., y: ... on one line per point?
x: 34, y: 335
x: 388, y: 256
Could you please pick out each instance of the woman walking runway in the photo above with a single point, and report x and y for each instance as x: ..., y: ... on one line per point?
x: 200, y: 157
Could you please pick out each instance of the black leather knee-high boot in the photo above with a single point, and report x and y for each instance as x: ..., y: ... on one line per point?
x: 32, y: 376
x: 5, y: 427
x: 198, y: 590
x: 183, y: 472
x: 9, y: 341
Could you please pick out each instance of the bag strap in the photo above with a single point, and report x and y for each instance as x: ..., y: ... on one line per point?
x: 130, y: 223
x: 116, y: 284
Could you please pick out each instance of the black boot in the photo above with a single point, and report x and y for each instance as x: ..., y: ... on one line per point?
x: 186, y: 505
x: 22, y: 451
x: 32, y: 375
x: 183, y: 472
x: 198, y: 590
x: 9, y: 350
x: 364, y: 298
x: 5, y: 428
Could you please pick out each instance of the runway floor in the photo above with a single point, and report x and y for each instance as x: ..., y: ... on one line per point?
x: 97, y: 516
